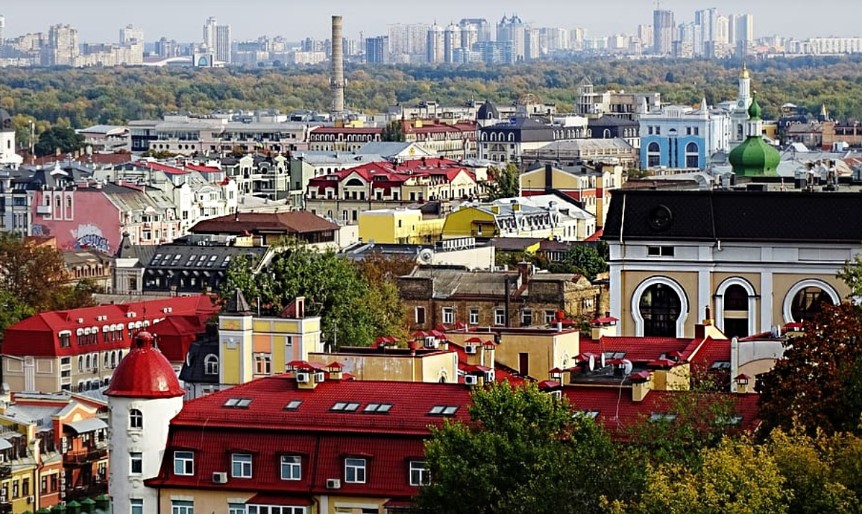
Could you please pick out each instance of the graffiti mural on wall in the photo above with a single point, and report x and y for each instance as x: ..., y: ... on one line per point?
x: 88, y: 236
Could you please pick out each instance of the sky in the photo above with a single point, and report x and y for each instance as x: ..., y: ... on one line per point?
x: 182, y: 20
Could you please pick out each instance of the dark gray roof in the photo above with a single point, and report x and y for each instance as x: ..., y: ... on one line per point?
x: 755, y: 216
x: 611, y: 121
x: 193, y: 370
x: 199, y: 258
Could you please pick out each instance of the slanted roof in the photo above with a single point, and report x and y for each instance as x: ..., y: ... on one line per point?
x: 738, y: 216
x: 83, y: 426
x: 294, y: 222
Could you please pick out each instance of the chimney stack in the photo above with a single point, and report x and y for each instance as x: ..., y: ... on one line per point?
x: 337, y: 58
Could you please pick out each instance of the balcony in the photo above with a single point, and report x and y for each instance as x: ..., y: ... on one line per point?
x: 85, y: 456
x: 79, y: 493
x: 5, y: 507
x: 5, y: 472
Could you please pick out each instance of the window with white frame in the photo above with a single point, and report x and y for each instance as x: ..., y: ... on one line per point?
x: 235, y: 508
x: 240, y: 465
x: 262, y: 364
x: 448, y: 315
x: 184, y: 463
x: 419, y: 474
x: 291, y: 467
x: 136, y: 419
x: 211, y: 364
x: 499, y: 317
x: 473, y: 316
x: 550, y: 317
x: 526, y: 318
x: 354, y: 470
x: 136, y: 506
x: 420, y: 315
x: 136, y: 463
x: 275, y: 509
x: 182, y: 507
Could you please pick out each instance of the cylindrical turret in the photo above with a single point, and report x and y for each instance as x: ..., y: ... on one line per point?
x: 337, y: 80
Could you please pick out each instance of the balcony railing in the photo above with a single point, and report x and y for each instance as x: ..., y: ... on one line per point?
x: 85, y: 456
x: 86, y: 491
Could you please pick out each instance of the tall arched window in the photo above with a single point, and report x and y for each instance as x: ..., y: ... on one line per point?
x: 136, y: 419
x: 653, y: 154
x: 211, y: 364
x: 806, y: 299
x: 660, y: 307
x: 692, y: 155
x: 735, y: 311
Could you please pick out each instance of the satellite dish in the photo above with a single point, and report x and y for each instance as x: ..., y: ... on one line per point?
x: 426, y: 256
x: 592, y: 362
x: 627, y: 367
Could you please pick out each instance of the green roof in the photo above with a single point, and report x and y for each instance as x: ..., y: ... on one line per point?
x: 755, y: 158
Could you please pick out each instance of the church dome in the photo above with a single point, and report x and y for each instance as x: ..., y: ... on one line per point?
x: 744, y: 74
x: 754, y: 110
x: 144, y: 373
x: 755, y: 158
x: 488, y: 111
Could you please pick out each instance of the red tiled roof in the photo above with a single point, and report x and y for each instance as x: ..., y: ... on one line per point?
x: 175, y: 335
x: 597, y: 235
x: 202, y: 169
x: 164, y: 168
x: 294, y: 222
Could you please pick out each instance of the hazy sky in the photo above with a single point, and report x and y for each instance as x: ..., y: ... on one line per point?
x: 100, y: 20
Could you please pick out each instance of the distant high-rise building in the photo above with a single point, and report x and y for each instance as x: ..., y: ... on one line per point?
x: 513, y: 30
x: 553, y: 39
x: 408, y: 43
x: 377, y: 50
x: 130, y: 35
x: 663, y: 32
x: 436, y: 45
x: 2, y: 30
x: 481, y: 26
x: 217, y: 39
x: 167, y: 48
x: 62, y: 46
x: 705, y: 22
x: 451, y: 42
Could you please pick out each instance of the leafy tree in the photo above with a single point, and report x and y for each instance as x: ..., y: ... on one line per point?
x: 394, y: 131
x: 504, y: 182
x: 34, y: 275
x: 62, y: 138
x: 522, y: 453
x: 736, y: 477
x: 586, y: 260
x: 820, y: 377
x: 352, y: 311
x: 12, y: 311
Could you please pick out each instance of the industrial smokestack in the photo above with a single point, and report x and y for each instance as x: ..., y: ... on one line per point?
x: 337, y: 80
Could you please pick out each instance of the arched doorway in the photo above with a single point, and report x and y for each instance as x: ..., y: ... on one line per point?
x: 735, y: 311
x: 660, y: 307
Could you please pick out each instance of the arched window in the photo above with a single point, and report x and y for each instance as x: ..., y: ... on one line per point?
x: 354, y: 182
x: 136, y: 419
x: 511, y: 137
x: 660, y: 308
x: 653, y: 154
x: 211, y: 364
x: 80, y: 364
x: 692, y: 155
x: 606, y: 134
x: 735, y: 311
x: 808, y: 302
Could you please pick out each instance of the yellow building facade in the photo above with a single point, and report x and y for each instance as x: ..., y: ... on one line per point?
x: 399, y: 226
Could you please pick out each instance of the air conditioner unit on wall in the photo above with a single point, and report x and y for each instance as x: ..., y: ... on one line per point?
x: 220, y: 477
x: 333, y: 483
x: 470, y: 348
x: 471, y: 380
x: 302, y: 378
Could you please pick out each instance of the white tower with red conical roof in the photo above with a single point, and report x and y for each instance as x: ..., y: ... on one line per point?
x: 143, y: 397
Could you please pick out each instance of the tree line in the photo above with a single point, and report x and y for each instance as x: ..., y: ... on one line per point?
x: 78, y: 98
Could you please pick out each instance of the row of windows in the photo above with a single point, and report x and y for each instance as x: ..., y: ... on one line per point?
x: 448, y: 316
x: 290, y: 467
x: 136, y: 506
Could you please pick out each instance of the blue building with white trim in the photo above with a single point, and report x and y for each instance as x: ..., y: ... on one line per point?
x: 682, y: 137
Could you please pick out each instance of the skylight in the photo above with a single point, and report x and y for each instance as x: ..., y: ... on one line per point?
x: 661, y: 416
x: 588, y: 414
x: 379, y: 408
x: 443, y: 410
x: 237, y: 403
x: 345, y: 407
x: 293, y: 405
x: 720, y: 365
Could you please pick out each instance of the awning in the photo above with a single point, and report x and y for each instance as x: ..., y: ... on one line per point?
x: 279, y: 499
x: 87, y: 425
x: 4, y: 444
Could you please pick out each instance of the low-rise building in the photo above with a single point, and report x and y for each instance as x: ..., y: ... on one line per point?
x: 589, y: 186
x: 267, y: 228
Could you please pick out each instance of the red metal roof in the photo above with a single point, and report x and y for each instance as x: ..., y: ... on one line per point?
x: 144, y: 373
x: 294, y: 222
x: 164, y: 168
x: 38, y: 335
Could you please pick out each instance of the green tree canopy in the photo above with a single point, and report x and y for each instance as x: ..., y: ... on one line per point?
x: 353, y: 311
x: 819, y: 380
x: 504, y: 182
x: 522, y: 453
x: 586, y: 260
x: 58, y: 138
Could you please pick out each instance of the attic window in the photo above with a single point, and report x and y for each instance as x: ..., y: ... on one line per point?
x: 615, y: 355
x: 293, y: 405
x: 379, y: 408
x: 443, y: 410
x: 345, y: 407
x: 656, y: 417
x: 237, y: 403
x: 734, y: 420
x: 660, y: 251
x: 720, y: 366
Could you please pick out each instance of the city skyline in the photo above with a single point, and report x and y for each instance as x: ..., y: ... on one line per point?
x: 100, y: 21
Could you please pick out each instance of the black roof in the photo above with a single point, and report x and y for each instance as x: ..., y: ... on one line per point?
x: 755, y: 216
